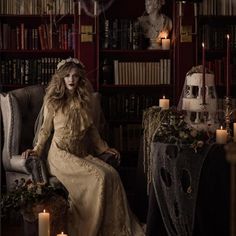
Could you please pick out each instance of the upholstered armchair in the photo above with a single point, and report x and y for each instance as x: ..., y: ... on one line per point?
x: 20, y: 109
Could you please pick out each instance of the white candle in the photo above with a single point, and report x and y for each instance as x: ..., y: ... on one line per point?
x: 165, y: 43
x: 44, y: 223
x: 164, y: 103
x: 95, y: 8
x: 62, y: 234
x: 79, y: 8
x: 221, y: 136
x: 234, y: 132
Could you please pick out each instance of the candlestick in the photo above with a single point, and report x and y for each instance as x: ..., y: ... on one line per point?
x: 221, y: 136
x: 227, y: 67
x: 44, y: 225
x: 234, y: 132
x: 164, y: 103
x: 62, y: 234
x: 203, y: 76
x: 95, y: 8
x: 79, y: 8
x: 165, y: 43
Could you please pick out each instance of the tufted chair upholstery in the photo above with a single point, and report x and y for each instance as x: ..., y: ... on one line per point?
x: 20, y: 109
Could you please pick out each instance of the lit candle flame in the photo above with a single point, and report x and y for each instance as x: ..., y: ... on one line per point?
x: 164, y: 97
x: 203, y: 45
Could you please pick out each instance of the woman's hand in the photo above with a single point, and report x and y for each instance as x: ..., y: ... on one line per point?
x: 29, y: 152
x: 115, y: 153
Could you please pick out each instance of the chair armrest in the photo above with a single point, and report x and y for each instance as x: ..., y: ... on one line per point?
x: 17, y: 164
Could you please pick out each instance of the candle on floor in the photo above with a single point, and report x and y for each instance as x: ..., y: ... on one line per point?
x: 44, y: 223
x: 221, y: 136
x: 62, y: 234
x: 234, y: 132
x: 164, y: 103
x: 165, y: 43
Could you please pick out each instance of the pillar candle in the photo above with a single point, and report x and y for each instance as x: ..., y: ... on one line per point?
x: 234, y: 132
x: 203, y: 76
x: 227, y: 67
x: 164, y: 103
x: 44, y: 223
x: 165, y: 44
x: 62, y: 234
x: 221, y: 136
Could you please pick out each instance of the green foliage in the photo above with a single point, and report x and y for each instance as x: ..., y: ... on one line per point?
x: 174, y: 129
x: 25, y: 193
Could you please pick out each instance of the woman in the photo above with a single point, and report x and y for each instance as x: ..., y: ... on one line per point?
x: 154, y: 22
x: 98, y: 205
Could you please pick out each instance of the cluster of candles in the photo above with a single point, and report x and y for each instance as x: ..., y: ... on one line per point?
x: 44, y: 224
x: 221, y: 134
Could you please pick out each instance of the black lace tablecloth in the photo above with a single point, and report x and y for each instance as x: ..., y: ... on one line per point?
x: 189, y: 193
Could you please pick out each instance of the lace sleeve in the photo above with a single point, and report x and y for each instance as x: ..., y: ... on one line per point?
x: 45, y: 130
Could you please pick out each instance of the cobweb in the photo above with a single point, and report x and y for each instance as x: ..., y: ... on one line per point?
x: 102, y: 5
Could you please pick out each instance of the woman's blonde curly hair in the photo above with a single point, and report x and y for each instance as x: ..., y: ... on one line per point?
x: 57, y: 95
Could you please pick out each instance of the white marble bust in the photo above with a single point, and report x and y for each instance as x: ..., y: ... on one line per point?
x: 154, y: 22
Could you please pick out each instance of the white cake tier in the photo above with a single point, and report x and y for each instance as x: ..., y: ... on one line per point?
x: 195, y: 104
x: 196, y: 79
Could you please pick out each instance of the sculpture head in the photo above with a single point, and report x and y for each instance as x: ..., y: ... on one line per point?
x: 153, y: 5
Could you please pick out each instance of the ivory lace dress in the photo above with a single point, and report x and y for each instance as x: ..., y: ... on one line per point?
x: 98, y: 204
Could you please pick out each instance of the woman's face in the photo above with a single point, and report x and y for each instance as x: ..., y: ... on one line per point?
x: 72, y: 79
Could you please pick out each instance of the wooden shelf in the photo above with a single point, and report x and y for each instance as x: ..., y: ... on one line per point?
x: 217, y: 20
x: 37, y: 53
x: 138, y: 55
x: 144, y: 89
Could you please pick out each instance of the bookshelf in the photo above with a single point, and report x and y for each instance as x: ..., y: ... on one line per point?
x: 34, y: 37
x: 216, y: 20
x: 131, y: 78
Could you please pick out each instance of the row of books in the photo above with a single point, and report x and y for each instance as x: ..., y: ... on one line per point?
x: 120, y: 34
x: 20, y: 37
x: 27, y: 71
x: 214, y: 37
x: 127, y: 106
x: 142, y: 73
x: 218, y: 7
x: 127, y: 137
x: 36, y: 7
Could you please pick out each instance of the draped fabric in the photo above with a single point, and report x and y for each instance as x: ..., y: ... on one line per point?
x: 176, y: 176
x: 98, y: 204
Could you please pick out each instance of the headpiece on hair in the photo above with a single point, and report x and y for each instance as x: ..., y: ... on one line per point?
x: 70, y: 59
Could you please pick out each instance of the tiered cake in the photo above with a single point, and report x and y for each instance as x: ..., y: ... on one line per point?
x: 199, y: 115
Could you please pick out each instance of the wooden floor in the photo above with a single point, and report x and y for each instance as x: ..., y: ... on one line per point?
x: 12, y: 227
